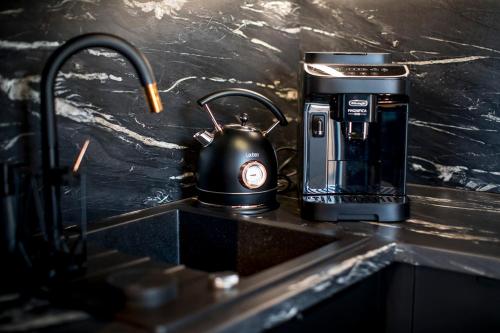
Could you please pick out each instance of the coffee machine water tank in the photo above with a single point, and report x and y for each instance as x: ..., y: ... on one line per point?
x: 353, y: 137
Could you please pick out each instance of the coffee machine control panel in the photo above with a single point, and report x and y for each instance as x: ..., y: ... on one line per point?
x: 335, y: 70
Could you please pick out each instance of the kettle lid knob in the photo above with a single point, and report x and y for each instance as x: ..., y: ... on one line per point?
x: 243, y: 119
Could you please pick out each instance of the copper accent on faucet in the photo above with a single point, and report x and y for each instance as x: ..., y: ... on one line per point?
x: 79, y: 158
x: 153, y: 98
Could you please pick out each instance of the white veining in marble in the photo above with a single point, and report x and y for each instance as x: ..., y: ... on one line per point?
x: 437, y: 129
x: 75, y: 112
x: 105, y: 54
x: 444, y: 61
x: 456, y: 236
x: 415, y: 53
x: 339, y: 270
x: 280, y: 316
x: 8, y: 144
x: 459, y: 127
x: 17, y: 45
x: 90, y: 76
x: 20, y: 90
x: 444, y: 231
x: 85, y: 17
x: 176, y: 83
x: 58, y: 5
x: 281, y: 8
x: 159, y: 8
x: 319, y: 31
x: 491, y: 206
x: 11, y: 124
x: 438, y: 226
x: 430, y: 199
x: 445, y: 172
x: 183, y: 176
x: 187, y: 54
x: 289, y: 94
x: 158, y: 197
x: 468, y: 207
x: 12, y: 11
x: 469, y: 269
x: 461, y: 44
x: 491, y: 117
x: 262, y: 43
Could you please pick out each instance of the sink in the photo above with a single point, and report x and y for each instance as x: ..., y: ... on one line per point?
x: 208, y: 243
x: 406, y: 298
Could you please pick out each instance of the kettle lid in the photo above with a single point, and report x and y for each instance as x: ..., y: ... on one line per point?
x: 243, y: 124
x: 242, y: 128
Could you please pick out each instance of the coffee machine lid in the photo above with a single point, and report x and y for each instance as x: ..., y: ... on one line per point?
x: 345, y: 72
x: 347, y: 58
x: 357, y: 71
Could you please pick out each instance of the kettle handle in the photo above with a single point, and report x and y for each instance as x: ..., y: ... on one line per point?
x: 250, y: 94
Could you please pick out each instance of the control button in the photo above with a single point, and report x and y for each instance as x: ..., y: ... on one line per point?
x: 253, y: 174
x: 318, y: 126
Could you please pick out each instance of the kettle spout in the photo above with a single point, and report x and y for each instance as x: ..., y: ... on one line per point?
x: 204, y: 137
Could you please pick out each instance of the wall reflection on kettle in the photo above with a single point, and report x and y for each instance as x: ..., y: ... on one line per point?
x: 237, y: 166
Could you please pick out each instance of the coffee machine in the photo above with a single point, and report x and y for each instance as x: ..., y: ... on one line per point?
x: 353, y: 137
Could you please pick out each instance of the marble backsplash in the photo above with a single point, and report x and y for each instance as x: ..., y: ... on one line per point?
x: 136, y: 159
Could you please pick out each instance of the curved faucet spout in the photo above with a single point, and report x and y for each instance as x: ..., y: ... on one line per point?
x: 50, y: 156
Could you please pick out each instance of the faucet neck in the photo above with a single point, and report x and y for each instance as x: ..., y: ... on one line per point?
x: 50, y: 156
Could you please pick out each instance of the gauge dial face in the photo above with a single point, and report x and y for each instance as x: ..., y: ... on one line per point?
x: 253, y: 174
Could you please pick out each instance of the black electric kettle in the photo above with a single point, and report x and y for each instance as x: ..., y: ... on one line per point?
x: 237, y: 166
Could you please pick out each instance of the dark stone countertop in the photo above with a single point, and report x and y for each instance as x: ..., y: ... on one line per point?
x: 448, y: 229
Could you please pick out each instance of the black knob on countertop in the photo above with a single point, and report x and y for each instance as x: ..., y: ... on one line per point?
x: 143, y: 287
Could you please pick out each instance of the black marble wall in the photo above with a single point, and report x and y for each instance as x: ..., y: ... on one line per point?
x: 138, y: 159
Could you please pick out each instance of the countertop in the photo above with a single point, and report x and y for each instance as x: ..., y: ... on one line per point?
x: 448, y: 229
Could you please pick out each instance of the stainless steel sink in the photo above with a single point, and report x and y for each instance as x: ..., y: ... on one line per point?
x: 208, y: 243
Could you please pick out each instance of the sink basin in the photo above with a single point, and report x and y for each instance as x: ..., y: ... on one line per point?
x: 208, y: 243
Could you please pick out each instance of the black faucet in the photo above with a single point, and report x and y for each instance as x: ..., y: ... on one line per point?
x: 52, y: 173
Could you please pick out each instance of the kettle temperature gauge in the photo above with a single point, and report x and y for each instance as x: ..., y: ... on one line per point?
x: 253, y: 174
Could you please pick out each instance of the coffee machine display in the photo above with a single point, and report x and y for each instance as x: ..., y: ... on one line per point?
x: 353, y: 137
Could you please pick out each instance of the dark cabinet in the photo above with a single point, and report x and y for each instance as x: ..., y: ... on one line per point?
x: 403, y: 298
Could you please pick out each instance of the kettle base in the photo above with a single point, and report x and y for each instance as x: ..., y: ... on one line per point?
x: 241, y: 209
x: 242, y: 203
